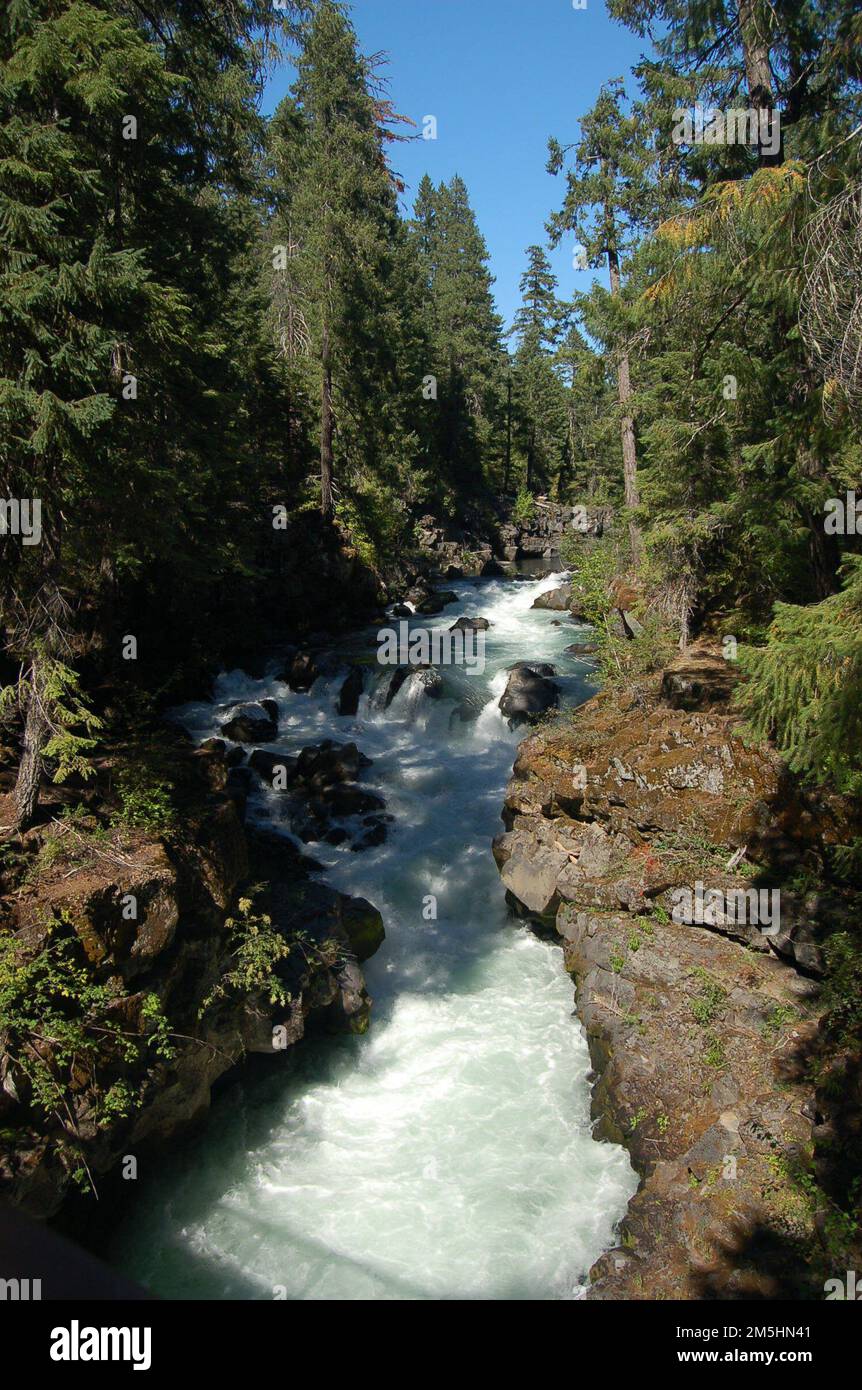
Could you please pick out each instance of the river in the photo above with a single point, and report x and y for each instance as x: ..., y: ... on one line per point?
x: 446, y: 1154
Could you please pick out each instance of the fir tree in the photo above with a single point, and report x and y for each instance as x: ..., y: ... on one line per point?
x: 609, y: 197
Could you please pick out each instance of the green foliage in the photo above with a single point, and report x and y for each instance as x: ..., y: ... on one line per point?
x: 524, y: 509
x: 145, y: 802
x: 258, y: 948
x: 541, y: 422
x: 842, y: 990
x: 343, y: 288
x: 63, y: 1035
x: 687, y: 849
x: 778, y: 1018
x: 463, y: 350
x: 848, y: 860
x: 709, y: 1000
x: 70, y: 722
x: 594, y: 565
x: 630, y: 664
x: 69, y: 713
x: 804, y: 687
x: 713, y: 1055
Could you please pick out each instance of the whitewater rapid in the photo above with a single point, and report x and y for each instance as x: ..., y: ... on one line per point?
x: 447, y: 1154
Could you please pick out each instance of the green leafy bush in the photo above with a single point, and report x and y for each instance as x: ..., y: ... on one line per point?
x: 145, y: 801
x: 524, y: 510
x: 63, y: 1035
x: 71, y: 723
x: 257, y: 950
x: 593, y: 565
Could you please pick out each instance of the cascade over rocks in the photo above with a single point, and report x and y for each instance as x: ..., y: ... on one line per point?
x: 320, y: 784
x: 421, y: 681
x: 351, y: 691
x: 253, y: 723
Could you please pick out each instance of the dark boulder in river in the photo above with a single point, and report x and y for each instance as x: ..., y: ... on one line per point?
x: 302, y: 672
x: 251, y: 724
x: 529, y: 693
x: 435, y: 603
x: 323, y: 764
x: 470, y: 625
x: 351, y: 691
x: 275, y: 768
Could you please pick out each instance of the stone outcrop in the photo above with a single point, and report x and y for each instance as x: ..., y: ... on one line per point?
x: 470, y: 548
x: 178, y: 948
x: 701, y: 1028
x: 321, y: 792
x: 699, y: 679
x: 470, y: 625
x: 543, y: 534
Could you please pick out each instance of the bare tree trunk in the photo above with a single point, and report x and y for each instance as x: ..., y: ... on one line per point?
x: 326, y: 430
x: 755, y: 50
x: 508, y: 433
x: 685, y: 620
x: 824, y: 553
x: 753, y: 28
x: 30, y: 766
x: 630, y: 461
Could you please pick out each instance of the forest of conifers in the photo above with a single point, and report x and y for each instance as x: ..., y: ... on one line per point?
x: 212, y: 323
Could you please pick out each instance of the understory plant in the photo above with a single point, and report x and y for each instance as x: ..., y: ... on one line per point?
x: 64, y: 1038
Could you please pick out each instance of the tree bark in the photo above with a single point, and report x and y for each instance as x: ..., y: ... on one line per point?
x: 326, y: 429
x: 508, y: 434
x: 30, y: 767
x: 824, y: 553
x: 630, y: 462
x: 758, y: 71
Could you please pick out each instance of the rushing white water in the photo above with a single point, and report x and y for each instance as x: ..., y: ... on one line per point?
x: 448, y: 1153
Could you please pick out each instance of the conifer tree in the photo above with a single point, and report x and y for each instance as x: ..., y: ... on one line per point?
x: 539, y: 391
x: 337, y: 225
x: 465, y: 332
x: 122, y: 138
x: 609, y: 198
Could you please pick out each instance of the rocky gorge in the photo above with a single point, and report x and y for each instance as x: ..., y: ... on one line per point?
x: 703, y: 1031
x: 153, y: 914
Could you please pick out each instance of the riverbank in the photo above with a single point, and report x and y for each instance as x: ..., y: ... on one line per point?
x: 134, y: 936
x: 704, y: 1035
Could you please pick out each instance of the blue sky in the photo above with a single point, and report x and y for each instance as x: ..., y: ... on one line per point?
x: 500, y: 76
